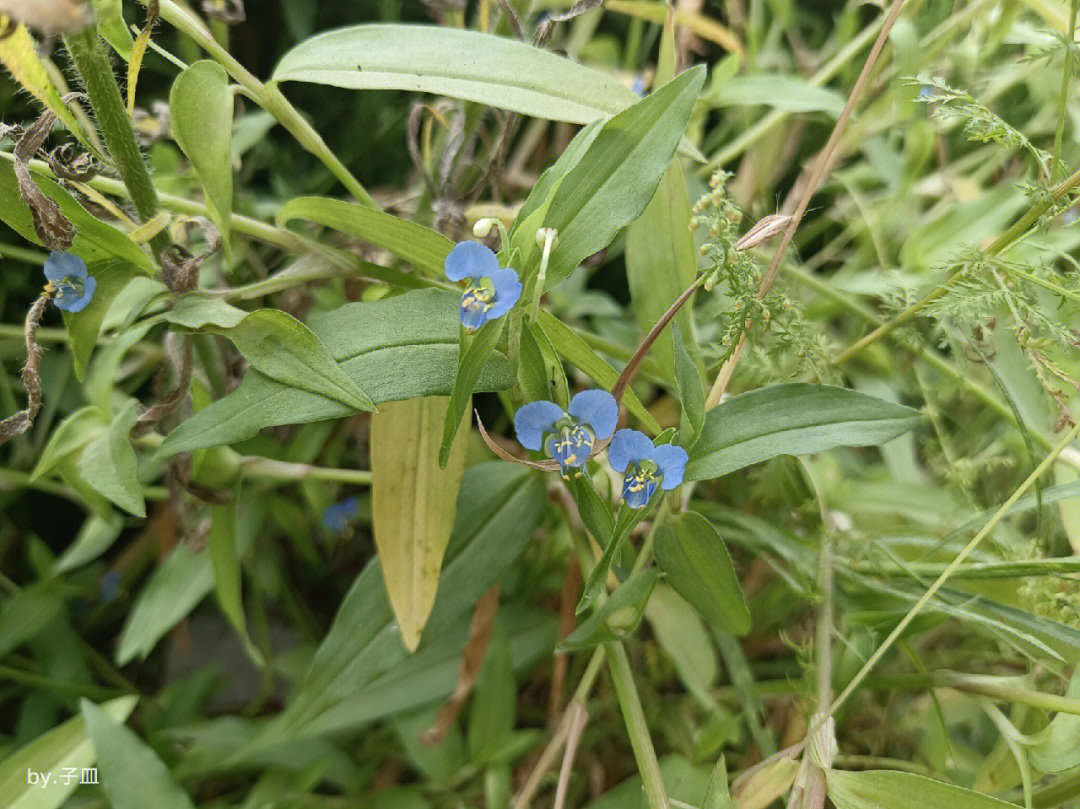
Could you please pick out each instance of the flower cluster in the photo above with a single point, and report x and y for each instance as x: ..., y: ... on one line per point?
x: 568, y: 437
x: 73, y: 285
x: 490, y: 290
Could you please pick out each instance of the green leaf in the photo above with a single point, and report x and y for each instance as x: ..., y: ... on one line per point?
x: 1058, y: 746
x: 494, y: 701
x: 284, y: 349
x: 431, y: 674
x: 697, y: 565
x: 689, y: 388
x: 132, y: 776
x: 792, y: 419
x: 397, y: 348
x: 499, y: 506
x: 109, y: 464
x: 94, y: 240
x: 540, y: 373
x: 72, y: 434
x: 66, y: 745
x: 183, y: 580
x: 201, y: 113
x: 83, y: 327
x: 414, y: 502
x: 789, y: 93
x: 661, y: 262
x: 594, y: 585
x: 475, y: 351
x: 685, y: 640
x: 225, y: 558
x: 175, y: 588
x: 198, y: 311
x: 109, y: 17
x: 577, y: 352
x: 616, y: 177
x: 717, y: 795
x: 94, y: 538
x: 888, y: 789
x: 595, y: 513
x: 26, y: 613
x: 617, y: 617
x: 424, y: 248
x: 491, y: 70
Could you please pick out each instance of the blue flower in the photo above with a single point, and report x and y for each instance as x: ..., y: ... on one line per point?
x: 490, y: 291
x: 645, y: 466
x: 568, y: 437
x: 73, y: 284
x: 337, y: 517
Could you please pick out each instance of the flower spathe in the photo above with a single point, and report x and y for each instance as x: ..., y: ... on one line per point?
x: 491, y: 290
x: 645, y: 466
x: 74, y: 286
x: 568, y: 436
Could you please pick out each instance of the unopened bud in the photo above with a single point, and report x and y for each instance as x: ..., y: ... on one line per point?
x: 764, y: 230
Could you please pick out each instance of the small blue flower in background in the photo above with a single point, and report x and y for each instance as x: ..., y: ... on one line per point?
x: 491, y: 291
x: 638, y: 85
x: 568, y: 437
x: 337, y: 517
x: 109, y: 589
x: 73, y: 284
x: 645, y: 466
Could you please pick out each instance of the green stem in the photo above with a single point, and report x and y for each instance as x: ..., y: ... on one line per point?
x: 44, y: 334
x: 640, y: 740
x: 93, y: 692
x: 98, y: 80
x: 24, y: 254
x: 266, y: 96
x: 1063, y: 99
x: 283, y: 470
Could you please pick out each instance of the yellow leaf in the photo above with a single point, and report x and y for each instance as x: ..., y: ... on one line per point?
x: 19, y: 55
x: 413, y: 503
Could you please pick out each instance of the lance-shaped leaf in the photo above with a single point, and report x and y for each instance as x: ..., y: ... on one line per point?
x: 614, y: 179
x: 491, y: 70
x: 283, y: 348
x: 499, y: 506
x: 889, y: 789
x: 792, y: 419
x: 109, y: 464
x: 424, y: 248
x: 692, y: 555
x: 132, y: 775
x: 201, y: 113
x: 413, y: 505
x: 66, y: 745
x: 397, y: 348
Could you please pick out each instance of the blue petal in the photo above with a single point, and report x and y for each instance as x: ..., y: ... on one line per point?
x: 507, y: 292
x: 671, y: 461
x: 473, y: 317
x: 639, y: 498
x: 571, y: 448
x: 470, y: 260
x: 72, y: 299
x: 535, y: 419
x: 59, y: 266
x: 598, y: 409
x: 628, y: 446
